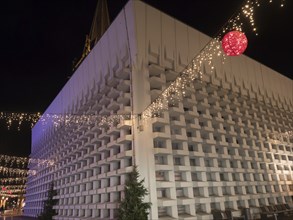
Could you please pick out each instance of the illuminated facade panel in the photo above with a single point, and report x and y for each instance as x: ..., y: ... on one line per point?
x: 214, y: 150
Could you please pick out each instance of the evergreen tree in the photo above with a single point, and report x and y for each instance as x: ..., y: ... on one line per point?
x: 132, y: 206
x: 48, y: 211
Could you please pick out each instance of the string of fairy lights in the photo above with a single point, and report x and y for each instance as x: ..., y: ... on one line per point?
x: 19, y: 118
x: 16, y: 167
x: 13, y: 180
x: 280, y: 136
x: 14, y: 173
x: 6, y: 195
x: 173, y: 93
x: 177, y: 90
x: 14, y: 191
x: 169, y: 97
x: 83, y: 119
x: 11, y: 187
x: 61, y: 119
x: 24, y: 161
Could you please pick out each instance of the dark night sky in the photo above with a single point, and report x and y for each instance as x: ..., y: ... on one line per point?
x: 40, y: 39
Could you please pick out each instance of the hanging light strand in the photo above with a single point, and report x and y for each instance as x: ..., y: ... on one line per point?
x: 193, y: 70
x: 9, y: 187
x: 16, y: 171
x: 11, y: 195
x: 169, y: 97
x: 13, y: 191
x: 19, y: 118
x: 13, y: 180
x: 280, y: 136
x: 84, y: 119
x: 175, y: 92
x: 61, y: 119
x: 14, y: 161
x: 24, y: 161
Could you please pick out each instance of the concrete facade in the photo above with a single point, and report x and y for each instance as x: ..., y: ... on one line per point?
x: 213, y: 150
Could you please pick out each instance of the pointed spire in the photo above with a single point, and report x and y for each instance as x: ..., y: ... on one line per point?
x: 101, y: 22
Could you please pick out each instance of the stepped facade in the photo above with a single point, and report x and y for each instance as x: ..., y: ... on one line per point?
x: 224, y: 146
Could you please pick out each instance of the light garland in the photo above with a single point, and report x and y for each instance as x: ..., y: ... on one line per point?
x: 278, y: 136
x: 41, y: 162
x: 171, y: 96
x: 13, y: 160
x: 24, y: 161
x: 16, y: 171
x: 9, y: 195
x: 13, y: 191
x: 19, y: 118
x: 9, y: 187
x: 13, y: 180
x: 61, y: 119
x: 177, y: 90
x: 247, y: 11
x: 84, y: 119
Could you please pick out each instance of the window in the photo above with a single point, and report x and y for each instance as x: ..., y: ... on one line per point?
x: 177, y: 161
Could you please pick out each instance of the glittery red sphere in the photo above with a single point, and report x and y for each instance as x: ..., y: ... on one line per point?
x: 234, y: 43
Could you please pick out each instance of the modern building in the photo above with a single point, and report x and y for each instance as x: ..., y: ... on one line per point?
x: 224, y: 146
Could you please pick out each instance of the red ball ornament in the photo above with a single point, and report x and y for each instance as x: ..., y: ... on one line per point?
x: 234, y: 43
